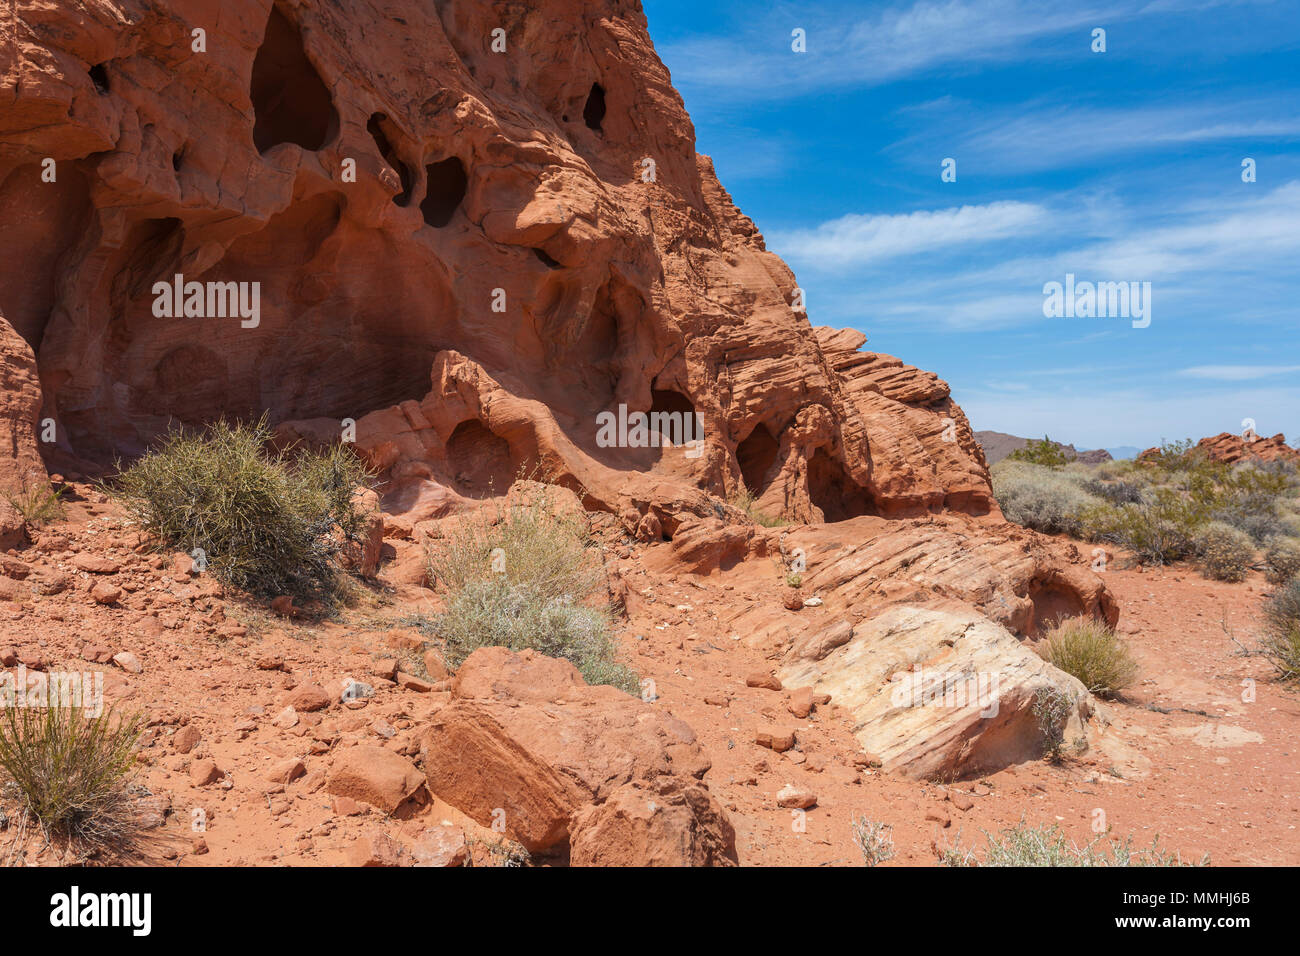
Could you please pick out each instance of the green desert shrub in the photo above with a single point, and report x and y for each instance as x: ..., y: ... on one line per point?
x: 1046, y: 453
x: 268, y: 522
x: 527, y: 577
x: 1048, y: 500
x: 1225, y: 553
x: 1092, y: 652
x: 71, y: 770
x: 1283, y: 558
x: 1176, y: 456
x: 1159, y: 529
x: 1281, y: 640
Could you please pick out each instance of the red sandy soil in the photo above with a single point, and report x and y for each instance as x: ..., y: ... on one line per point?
x: 1208, y: 772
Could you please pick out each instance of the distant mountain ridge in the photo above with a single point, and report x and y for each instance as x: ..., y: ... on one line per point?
x: 999, y: 445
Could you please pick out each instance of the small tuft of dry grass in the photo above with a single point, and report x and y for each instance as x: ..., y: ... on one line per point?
x: 874, y: 839
x: 72, y: 771
x: 1092, y: 652
x: 37, y: 501
x: 744, y: 500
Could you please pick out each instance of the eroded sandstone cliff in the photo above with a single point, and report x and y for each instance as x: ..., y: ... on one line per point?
x: 465, y: 235
x: 522, y: 212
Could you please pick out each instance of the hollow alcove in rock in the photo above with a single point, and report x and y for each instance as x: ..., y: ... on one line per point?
x: 291, y: 104
x: 480, y: 460
x: 53, y: 217
x: 831, y: 490
x: 99, y: 76
x: 444, y: 191
x: 375, y: 127
x: 673, y: 416
x: 593, y: 113
x: 756, y: 455
x: 1052, y: 604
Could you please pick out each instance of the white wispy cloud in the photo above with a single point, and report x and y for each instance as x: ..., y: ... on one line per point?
x: 855, y: 239
x: 1238, y: 373
x: 1031, y: 137
x: 846, y: 48
x: 1231, y: 256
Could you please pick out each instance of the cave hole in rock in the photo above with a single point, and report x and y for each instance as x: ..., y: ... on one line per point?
x: 593, y: 113
x: 375, y: 126
x: 99, y: 76
x: 291, y: 104
x: 546, y: 260
x: 835, y: 493
x: 756, y: 455
x: 177, y: 158
x: 680, y: 424
x: 444, y: 192
x: 480, y: 460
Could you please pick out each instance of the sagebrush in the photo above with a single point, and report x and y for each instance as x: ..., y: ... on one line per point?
x: 525, y: 576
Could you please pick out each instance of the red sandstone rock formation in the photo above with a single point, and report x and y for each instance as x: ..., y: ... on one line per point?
x: 1231, y: 448
x: 526, y: 743
x: 503, y: 230
x: 470, y: 256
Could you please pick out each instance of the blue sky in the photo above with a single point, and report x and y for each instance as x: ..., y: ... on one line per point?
x: 1117, y: 166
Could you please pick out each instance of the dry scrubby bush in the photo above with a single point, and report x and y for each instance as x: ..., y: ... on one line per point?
x: 1052, y: 708
x: 1281, y: 641
x: 1048, y: 500
x: 269, y: 522
x: 71, y: 771
x: 1174, y: 507
x: 1025, y: 845
x: 1225, y: 553
x: 527, y: 578
x: 1283, y: 558
x: 1093, y: 653
x: 874, y: 839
